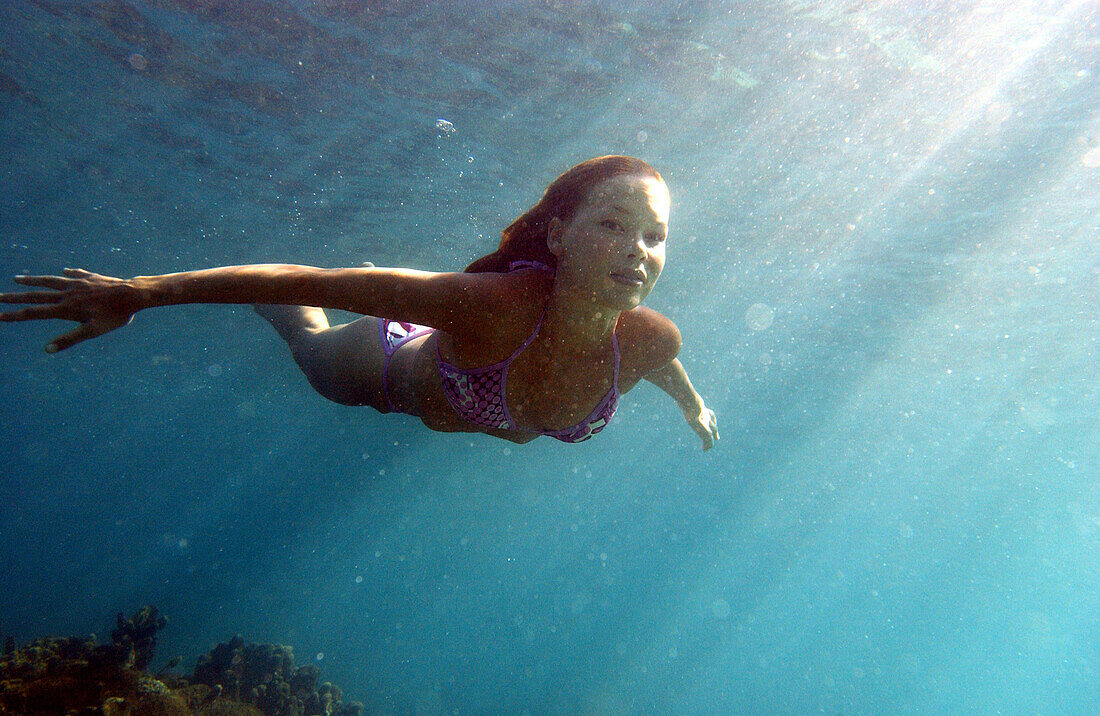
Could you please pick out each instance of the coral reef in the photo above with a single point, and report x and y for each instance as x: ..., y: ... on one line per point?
x: 139, y: 634
x: 264, y: 675
x: 63, y: 675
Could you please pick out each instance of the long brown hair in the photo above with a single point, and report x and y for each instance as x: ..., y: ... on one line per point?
x: 525, y: 238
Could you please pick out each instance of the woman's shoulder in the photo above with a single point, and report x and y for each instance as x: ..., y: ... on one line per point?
x: 648, y: 340
x: 506, y: 307
x: 492, y: 297
x: 521, y: 293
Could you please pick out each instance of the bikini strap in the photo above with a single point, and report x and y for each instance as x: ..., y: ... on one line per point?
x: 517, y: 266
x: 531, y: 338
x: 615, y: 345
x: 524, y: 264
x: 507, y: 361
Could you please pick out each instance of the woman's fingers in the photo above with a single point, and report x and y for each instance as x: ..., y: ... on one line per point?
x: 55, y: 282
x: 706, y: 427
x: 77, y: 295
x: 31, y: 297
x: 83, y: 332
x: 704, y: 434
x: 78, y: 273
x: 33, y: 313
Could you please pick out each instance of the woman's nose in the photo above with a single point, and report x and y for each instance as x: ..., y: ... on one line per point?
x: 638, y: 248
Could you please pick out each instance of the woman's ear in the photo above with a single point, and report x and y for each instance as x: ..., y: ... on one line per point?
x: 553, y: 236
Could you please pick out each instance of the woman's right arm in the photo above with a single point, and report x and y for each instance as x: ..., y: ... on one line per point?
x: 449, y: 301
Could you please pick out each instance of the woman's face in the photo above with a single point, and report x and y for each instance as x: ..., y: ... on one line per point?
x: 613, y: 249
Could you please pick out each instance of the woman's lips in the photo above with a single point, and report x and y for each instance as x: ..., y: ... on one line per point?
x: 628, y: 279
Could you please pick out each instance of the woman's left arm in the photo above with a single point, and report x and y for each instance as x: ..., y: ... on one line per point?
x: 673, y: 379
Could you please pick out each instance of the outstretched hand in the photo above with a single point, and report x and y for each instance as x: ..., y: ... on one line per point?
x: 99, y: 303
x: 705, y: 425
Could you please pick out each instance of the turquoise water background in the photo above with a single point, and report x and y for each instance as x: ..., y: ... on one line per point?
x: 884, y: 259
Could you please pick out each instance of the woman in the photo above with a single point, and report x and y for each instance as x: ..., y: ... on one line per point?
x: 539, y: 338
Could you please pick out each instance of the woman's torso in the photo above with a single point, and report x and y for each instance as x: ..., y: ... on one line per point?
x: 541, y: 393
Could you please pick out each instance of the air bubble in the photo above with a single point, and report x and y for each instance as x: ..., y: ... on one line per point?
x: 759, y: 316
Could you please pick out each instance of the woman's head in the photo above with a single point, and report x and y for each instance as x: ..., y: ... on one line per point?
x: 526, y: 237
x: 612, y: 250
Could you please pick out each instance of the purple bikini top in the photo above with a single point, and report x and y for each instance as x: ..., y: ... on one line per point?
x: 477, y: 394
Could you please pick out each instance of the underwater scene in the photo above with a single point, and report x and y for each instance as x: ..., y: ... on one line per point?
x: 883, y: 259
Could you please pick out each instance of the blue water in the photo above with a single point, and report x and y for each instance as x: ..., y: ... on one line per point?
x: 885, y: 262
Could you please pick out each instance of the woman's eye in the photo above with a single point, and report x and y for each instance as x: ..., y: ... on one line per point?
x: 611, y: 224
x: 655, y: 238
